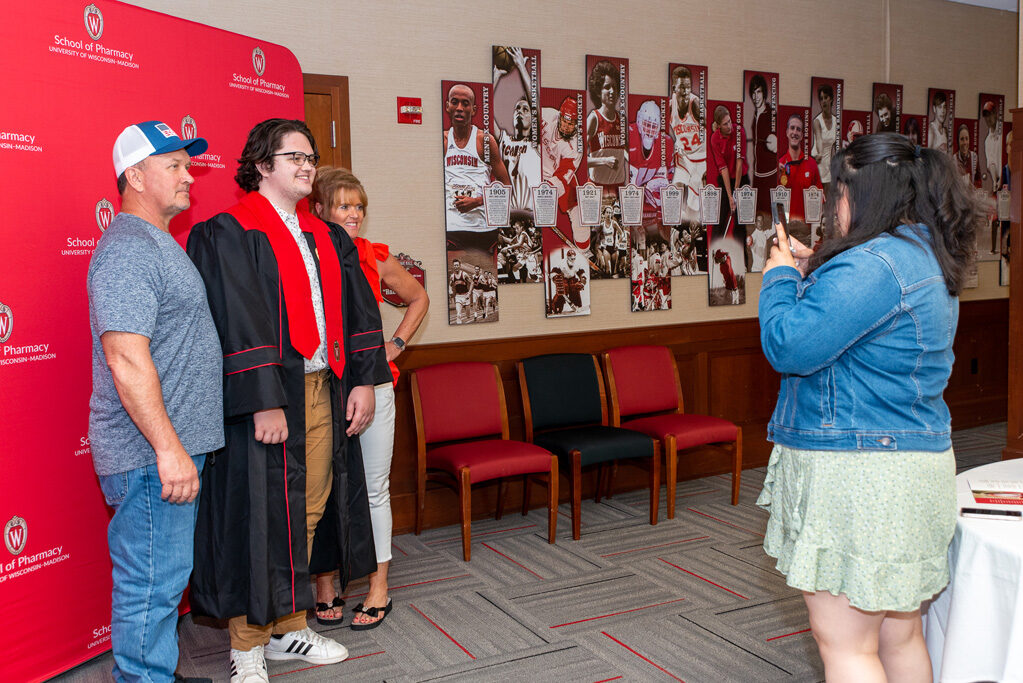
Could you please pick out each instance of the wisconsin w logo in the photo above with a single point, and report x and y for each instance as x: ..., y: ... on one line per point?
x: 15, y: 535
x: 93, y: 22
x: 258, y: 61
x: 188, y: 128
x: 104, y: 214
x: 6, y: 322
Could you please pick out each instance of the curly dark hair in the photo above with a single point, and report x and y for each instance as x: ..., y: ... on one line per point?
x: 826, y: 89
x: 883, y: 101
x: 758, y: 81
x: 596, y: 82
x: 889, y: 182
x: 678, y: 73
x: 262, y: 143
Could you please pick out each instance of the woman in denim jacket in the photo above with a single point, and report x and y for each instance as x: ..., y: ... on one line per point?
x: 861, y: 482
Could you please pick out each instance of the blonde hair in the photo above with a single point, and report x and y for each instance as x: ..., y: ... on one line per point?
x: 325, y: 189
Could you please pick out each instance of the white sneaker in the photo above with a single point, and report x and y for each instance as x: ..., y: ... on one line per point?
x: 248, y: 666
x: 307, y: 645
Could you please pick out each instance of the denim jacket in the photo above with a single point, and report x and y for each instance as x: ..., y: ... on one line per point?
x: 864, y: 345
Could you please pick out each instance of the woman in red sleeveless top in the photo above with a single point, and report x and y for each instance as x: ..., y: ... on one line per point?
x: 340, y: 198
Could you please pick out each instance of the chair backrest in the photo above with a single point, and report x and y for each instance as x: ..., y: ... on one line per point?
x: 642, y: 379
x: 562, y: 390
x: 459, y: 401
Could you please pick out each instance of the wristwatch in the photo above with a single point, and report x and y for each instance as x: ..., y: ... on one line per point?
x: 399, y: 342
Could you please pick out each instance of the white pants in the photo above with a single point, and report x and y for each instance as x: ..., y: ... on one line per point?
x: 377, y: 448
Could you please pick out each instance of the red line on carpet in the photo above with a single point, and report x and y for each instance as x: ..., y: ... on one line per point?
x: 724, y: 522
x: 702, y: 578
x: 399, y: 550
x: 471, y: 655
x: 410, y: 585
x: 485, y: 533
x: 512, y: 561
x: 645, y: 659
x: 607, y: 680
x: 643, y: 504
x: 614, y: 614
x: 786, y: 635
x: 317, y: 666
x: 651, y: 547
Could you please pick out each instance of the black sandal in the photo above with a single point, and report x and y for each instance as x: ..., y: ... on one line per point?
x: 373, y: 613
x: 323, y: 607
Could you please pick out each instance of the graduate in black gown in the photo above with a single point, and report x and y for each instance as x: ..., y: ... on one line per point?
x: 251, y: 550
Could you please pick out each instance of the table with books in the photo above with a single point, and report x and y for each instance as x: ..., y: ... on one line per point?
x: 974, y: 628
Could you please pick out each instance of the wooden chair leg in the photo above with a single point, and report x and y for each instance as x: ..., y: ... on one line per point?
x: 552, y: 500
x: 671, y: 471
x: 502, y: 485
x: 737, y: 466
x: 610, y: 479
x: 655, y: 483
x: 465, y: 496
x: 577, y: 493
x: 420, y: 501
x: 525, y: 495
x: 601, y: 471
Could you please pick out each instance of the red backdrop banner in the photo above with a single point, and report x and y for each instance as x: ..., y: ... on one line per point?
x: 75, y: 74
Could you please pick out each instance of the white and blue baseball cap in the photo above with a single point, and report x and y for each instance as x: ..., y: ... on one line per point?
x: 145, y: 139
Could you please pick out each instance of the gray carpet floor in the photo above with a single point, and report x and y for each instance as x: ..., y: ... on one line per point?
x: 692, y: 599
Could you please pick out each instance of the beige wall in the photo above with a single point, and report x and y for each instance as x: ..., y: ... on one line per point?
x: 390, y: 49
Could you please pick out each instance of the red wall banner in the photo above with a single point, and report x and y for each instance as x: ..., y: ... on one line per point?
x: 75, y: 74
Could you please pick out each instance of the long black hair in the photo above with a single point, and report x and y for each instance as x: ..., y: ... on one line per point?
x: 890, y: 182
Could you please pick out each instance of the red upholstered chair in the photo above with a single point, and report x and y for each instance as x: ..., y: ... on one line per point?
x: 462, y: 439
x: 646, y: 396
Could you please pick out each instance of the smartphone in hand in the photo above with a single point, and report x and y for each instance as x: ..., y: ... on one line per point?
x: 778, y: 216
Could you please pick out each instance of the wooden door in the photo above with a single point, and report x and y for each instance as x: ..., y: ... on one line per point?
x: 326, y: 114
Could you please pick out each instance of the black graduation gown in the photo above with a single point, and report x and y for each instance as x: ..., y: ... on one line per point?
x: 250, y: 539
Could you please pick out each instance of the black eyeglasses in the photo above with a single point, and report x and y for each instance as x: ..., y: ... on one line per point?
x: 299, y: 158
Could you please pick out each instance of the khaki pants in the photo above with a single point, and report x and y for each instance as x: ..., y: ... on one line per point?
x: 318, y: 458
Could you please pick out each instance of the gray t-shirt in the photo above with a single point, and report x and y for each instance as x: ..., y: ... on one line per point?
x: 141, y: 281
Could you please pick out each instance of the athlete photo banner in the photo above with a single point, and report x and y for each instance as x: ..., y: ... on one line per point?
x: 886, y: 115
x: 651, y: 167
x: 760, y: 105
x: 941, y: 111
x: 561, y: 126
x: 75, y: 75
x: 607, y: 86
x: 914, y: 127
x: 854, y: 122
x: 686, y: 124
x: 516, y: 126
x: 798, y: 172
x: 474, y: 173
x: 826, y: 99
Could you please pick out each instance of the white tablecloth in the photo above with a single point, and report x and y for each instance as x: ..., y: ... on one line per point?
x: 974, y: 628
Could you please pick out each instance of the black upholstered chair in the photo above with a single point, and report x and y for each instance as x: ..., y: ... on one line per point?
x: 565, y: 411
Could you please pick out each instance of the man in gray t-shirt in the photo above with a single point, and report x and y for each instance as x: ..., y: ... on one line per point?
x: 156, y: 406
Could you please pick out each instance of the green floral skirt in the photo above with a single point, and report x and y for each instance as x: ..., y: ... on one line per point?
x: 872, y: 525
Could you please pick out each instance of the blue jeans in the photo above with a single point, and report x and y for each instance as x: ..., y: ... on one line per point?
x: 151, y: 551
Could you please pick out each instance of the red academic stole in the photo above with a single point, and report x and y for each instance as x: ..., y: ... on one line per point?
x: 255, y: 212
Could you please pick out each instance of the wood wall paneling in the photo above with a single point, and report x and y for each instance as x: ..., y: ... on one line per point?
x: 1014, y: 370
